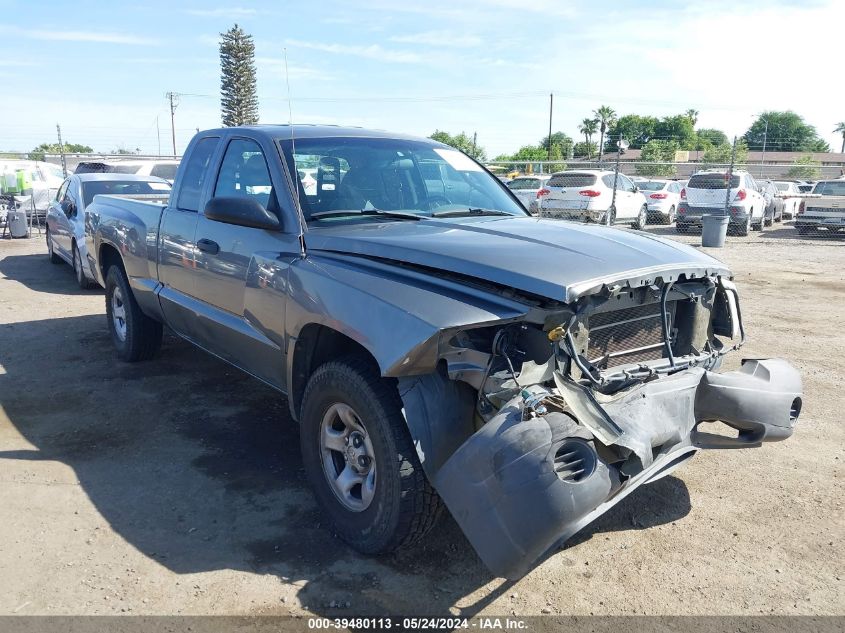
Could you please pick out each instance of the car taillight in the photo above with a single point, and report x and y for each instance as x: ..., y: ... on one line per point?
x: 543, y: 192
x: 684, y: 193
x: 658, y: 196
x: 740, y: 195
x: 590, y: 193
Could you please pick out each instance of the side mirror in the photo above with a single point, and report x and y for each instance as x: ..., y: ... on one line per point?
x: 241, y: 211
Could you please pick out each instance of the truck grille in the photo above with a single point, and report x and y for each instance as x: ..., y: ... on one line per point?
x: 631, y: 335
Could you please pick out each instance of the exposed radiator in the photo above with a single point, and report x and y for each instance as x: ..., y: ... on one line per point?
x: 630, y: 335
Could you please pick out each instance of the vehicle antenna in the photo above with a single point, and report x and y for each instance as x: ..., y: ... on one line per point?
x: 296, y: 182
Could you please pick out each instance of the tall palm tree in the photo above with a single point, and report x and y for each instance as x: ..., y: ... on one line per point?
x: 692, y: 115
x: 840, y: 128
x: 588, y: 127
x: 606, y: 116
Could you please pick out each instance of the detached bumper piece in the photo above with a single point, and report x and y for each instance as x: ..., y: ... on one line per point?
x: 526, y: 481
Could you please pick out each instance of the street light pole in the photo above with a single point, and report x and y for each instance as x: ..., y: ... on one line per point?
x: 763, y: 155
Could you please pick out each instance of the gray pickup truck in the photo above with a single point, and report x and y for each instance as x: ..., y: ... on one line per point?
x: 436, y: 343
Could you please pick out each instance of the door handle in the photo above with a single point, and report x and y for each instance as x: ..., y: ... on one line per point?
x: 208, y: 246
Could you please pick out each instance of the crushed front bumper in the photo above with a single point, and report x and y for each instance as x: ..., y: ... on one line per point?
x: 522, y: 484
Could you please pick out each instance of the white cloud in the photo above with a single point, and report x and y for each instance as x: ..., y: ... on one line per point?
x: 60, y: 35
x: 439, y: 39
x: 222, y: 12
x: 372, y: 51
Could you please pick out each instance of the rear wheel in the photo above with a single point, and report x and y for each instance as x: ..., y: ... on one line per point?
x: 135, y: 335
x: 54, y: 259
x: 744, y: 229
x: 360, y: 459
x: 642, y: 218
x: 670, y: 217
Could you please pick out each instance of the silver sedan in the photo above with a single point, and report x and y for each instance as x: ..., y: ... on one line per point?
x: 66, y: 214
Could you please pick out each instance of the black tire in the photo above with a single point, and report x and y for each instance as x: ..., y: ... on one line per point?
x: 642, y: 219
x: 743, y: 229
x: 680, y: 227
x: 142, y: 335
x: 54, y: 259
x: 81, y: 279
x: 404, y: 505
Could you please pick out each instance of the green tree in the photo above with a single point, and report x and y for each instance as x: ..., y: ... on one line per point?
x: 840, y: 128
x: 805, y: 168
x: 720, y: 155
x: 561, y: 145
x: 53, y: 148
x: 584, y: 149
x: 637, y: 130
x: 692, y: 115
x: 589, y: 127
x: 786, y: 132
x: 239, y: 97
x: 605, y: 116
x: 707, y: 137
x: 660, y: 154
x: 460, y: 142
x: 676, y: 128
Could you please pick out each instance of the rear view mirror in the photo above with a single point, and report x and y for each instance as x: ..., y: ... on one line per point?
x: 241, y: 211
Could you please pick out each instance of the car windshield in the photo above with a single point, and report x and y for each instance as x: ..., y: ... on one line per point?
x: 712, y: 181
x: 572, y: 180
x: 830, y: 188
x: 524, y: 183
x: 122, y: 188
x: 355, y: 174
x: 650, y: 185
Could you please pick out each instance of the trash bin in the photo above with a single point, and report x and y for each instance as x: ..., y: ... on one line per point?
x: 714, y: 229
x: 17, y: 223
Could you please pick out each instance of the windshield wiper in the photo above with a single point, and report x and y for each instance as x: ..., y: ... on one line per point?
x: 388, y: 214
x: 472, y: 211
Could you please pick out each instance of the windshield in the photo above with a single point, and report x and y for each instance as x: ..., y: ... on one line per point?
x: 830, y: 188
x: 524, y: 183
x: 357, y: 174
x: 712, y: 181
x: 651, y: 185
x: 572, y: 180
x: 122, y: 188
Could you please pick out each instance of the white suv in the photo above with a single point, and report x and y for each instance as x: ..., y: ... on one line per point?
x: 706, y: 193
x: 586, y: 195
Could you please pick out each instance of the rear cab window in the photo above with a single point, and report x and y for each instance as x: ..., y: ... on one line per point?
x: 830, y: 188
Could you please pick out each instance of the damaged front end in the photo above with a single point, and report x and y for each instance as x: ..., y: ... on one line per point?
x: 530, y: 430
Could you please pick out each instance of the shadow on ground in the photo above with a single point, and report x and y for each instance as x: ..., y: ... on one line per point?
x: 197, y: 466
x: 38, y: 274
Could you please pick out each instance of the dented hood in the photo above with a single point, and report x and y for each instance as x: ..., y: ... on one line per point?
x: 549, y: 258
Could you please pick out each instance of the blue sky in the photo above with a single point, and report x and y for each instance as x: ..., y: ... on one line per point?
x: 102, y: 69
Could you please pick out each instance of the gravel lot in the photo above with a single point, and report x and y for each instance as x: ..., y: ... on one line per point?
x: 176, y: 486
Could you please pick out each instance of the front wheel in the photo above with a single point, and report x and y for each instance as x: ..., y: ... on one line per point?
x: 642, y: 218
x: 135, y: 335
x: 360, y: 459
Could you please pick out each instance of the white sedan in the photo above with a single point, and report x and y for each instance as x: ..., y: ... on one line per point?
x: 662, y: 197
x: 526, y: 187
x: 791, y: 195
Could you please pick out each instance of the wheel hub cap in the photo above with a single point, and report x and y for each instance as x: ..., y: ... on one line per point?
x: 348, y: 458
x: 118, y: 314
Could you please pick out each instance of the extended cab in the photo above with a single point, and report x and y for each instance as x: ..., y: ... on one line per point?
x: 823, y: 210
x: 435, y: 342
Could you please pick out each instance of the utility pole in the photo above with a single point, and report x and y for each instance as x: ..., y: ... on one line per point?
x: 174, y: 101
x: 474, y: 141
x: 62, y: 150
x: 763, y: 156
x: 551, y: 104
x: 612, y: 209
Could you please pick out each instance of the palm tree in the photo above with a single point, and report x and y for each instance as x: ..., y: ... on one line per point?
x: 692, y: 115
x: 606, y: 116
x: 588, y: 127
x: 840, y: 128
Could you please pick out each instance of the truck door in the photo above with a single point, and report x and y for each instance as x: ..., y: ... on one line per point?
x: 241, y: 274
x: 176, y: 252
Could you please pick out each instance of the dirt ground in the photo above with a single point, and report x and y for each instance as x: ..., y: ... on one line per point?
x: 176, y: 486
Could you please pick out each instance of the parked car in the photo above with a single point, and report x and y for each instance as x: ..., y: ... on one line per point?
x: 706, y: 192
x: 435, y: 342
x: 824, y: 210
x: 791, y: 195
x: 662, y: 197
x: 65, y: 232
x: 586, y: 195
x: 160, y: 168
x: 525, y: 188
x: 44, y: 180
x: 774, y: 203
